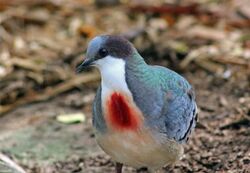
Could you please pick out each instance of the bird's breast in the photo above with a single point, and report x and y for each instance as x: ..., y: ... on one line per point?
x: 139, y: 149
x: 121, y: 113
x: 127, y: 140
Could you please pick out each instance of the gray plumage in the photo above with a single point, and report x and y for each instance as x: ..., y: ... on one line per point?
x: 150, y: 110
x: 98, y: 119
x: 165, y: 98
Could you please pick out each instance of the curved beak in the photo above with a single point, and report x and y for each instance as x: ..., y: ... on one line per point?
x: 84, y: 65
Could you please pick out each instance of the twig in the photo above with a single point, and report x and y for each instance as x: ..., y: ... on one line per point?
x: 232, y: 61
x: 167, y: 8
x: 27, y: 64
x: 203, y: 52
x: 6, y: 3
x: 243, y: 120
x: 234, y: 124
x: 5, y: 35
x: 244, y: 23
x: 210, y: 66
x: 246, y: 117
x: 51, y: 92
x: 11, y: 163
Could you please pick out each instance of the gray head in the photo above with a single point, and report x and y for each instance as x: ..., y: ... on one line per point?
x: 103, y: 47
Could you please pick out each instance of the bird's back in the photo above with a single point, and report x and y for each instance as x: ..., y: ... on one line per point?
x: 167, y: 101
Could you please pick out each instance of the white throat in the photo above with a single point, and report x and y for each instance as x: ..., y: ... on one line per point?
x: 113, y: 75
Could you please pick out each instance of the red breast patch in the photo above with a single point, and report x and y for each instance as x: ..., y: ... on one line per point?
x: 121, y: 114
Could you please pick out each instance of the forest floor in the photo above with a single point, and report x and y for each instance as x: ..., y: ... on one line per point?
x: 42, y: 42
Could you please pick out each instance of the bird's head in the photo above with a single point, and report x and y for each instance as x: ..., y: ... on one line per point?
x: 106, y: 51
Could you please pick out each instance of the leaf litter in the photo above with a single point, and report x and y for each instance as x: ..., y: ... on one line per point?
x: 43, y: 41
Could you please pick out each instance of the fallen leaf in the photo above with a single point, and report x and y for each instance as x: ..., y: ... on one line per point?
x: 87, y: 30
x: 71, y: 118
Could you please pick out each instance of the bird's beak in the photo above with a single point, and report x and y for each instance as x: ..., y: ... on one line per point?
x: 85, y: 64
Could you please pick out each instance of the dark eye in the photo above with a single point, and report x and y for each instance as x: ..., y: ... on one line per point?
x: 103, y: 52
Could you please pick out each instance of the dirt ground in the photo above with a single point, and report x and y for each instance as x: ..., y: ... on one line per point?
x: 30, y: 133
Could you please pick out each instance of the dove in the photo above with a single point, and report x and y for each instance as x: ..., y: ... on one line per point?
x: 142, y: 114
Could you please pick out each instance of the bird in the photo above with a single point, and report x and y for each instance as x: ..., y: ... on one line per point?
x: 142, y: 114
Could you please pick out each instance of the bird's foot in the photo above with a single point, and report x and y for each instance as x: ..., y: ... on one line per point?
x: 118, y: 167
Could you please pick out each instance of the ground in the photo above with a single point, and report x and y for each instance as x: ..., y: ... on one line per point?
x: 30, y: 133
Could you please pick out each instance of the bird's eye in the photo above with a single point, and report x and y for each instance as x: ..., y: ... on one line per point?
x: 103, y: 52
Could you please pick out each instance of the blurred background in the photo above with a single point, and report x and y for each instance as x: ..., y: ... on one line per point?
x: 45, y: 108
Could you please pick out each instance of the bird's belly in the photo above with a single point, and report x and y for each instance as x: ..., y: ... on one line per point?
x: 139, y: 149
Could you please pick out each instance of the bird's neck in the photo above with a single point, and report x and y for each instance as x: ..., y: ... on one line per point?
x: 136, y: 65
